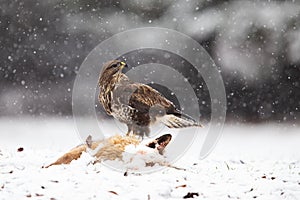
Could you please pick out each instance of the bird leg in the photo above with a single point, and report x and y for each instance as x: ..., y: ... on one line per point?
x: 129, y: 130
x: 140, y: 131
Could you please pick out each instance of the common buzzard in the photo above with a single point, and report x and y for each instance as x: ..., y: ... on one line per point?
x: 136, y: 104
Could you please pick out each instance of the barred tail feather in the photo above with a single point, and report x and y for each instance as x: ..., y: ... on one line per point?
x: 173, y: 121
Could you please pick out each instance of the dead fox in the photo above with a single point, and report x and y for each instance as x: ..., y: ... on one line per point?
x: 111, y: 148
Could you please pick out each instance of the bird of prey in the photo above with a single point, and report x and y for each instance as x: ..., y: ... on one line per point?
x: 135, y: 104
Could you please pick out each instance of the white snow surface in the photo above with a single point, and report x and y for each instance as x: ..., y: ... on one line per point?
x: 249, y: 162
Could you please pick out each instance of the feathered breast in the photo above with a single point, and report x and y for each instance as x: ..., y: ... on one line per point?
x: 107, y: 84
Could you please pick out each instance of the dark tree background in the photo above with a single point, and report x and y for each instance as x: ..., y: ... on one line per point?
x: 256, y: 44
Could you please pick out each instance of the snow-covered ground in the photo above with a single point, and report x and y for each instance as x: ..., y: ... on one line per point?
x: 249, y: 162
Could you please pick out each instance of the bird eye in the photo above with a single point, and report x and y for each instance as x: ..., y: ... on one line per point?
x: 113, y: 66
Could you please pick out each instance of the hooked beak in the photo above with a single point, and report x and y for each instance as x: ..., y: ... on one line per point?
x: 123, y: 64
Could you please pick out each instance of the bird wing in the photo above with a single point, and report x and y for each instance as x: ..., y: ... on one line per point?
x: 142, y: 97
x: 145, y: 95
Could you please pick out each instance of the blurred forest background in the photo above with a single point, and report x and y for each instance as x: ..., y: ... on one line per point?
x: 256, y: 44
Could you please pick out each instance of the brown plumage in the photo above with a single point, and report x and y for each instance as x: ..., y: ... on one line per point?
x: 136, y: 104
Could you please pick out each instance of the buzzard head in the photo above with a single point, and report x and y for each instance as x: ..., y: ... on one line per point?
x: 110, y: 74
x: 112, y: 68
